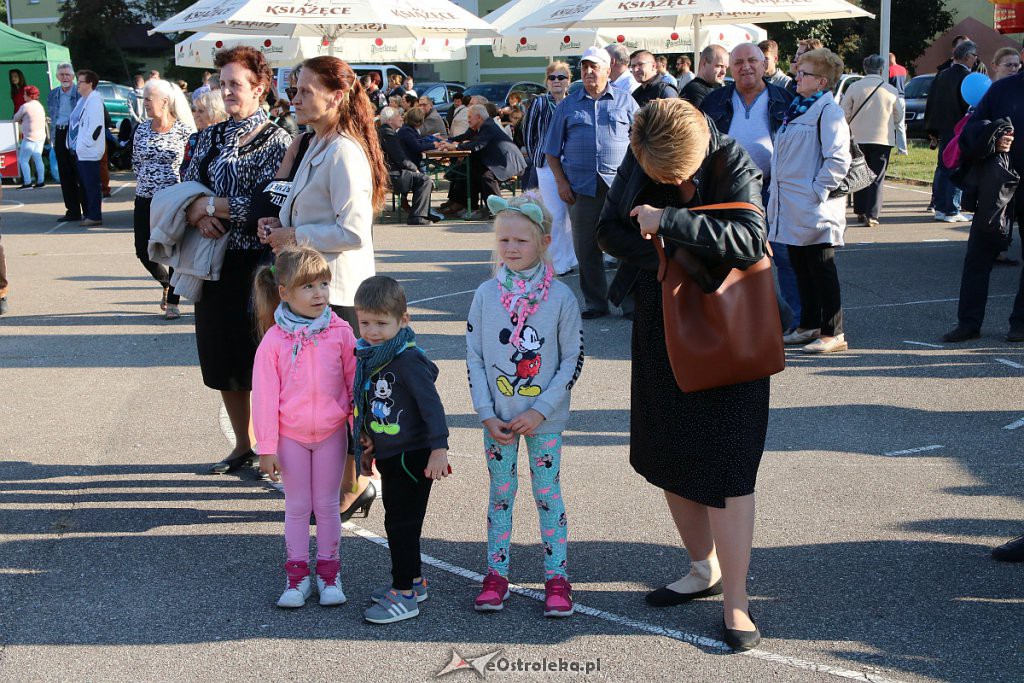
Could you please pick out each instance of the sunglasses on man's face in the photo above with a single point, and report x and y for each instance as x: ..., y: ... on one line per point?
x: 291, y: 92
x: 558, y: 77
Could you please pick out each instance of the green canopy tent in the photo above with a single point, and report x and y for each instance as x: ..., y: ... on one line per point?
x: 36, y: 58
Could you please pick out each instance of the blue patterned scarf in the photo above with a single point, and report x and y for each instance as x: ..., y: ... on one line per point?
x: 299, y: 328
x: 371, y: 359
x: 798, y: 107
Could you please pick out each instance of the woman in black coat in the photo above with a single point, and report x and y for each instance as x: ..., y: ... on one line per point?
x: 702, y: 448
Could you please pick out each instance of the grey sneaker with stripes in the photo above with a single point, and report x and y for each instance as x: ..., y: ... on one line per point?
x: 393, y: 607
x: 420, y: 589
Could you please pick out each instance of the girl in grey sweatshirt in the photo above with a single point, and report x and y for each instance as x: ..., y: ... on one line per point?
x: 524, y: 342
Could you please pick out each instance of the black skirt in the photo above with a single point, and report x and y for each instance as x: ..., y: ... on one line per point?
x: 704, y: 446
x: 225, y: 323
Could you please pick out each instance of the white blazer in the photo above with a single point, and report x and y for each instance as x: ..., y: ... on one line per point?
x: 92, y: 139
x: 331, y: 208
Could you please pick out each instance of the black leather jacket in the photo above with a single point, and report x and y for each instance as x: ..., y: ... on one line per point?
x: 734, y: 238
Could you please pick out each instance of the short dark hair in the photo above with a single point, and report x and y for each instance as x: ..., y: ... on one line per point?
x: 959, y: 39
x: 381, y: 294
x: 250, y: 58
x: 91, y: 77
x: 686, y: 59
x: 412, y: 99
x: 637, y: 53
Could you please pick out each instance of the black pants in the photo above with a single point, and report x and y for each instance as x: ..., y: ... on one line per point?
x: 821, y: 305
x: 420, y: 185
x: 159, y: 273
x: 405, y: 506
x: 868, y: 202
x: 3, y: 269
x: 67, y: 168
x: 982, y: 249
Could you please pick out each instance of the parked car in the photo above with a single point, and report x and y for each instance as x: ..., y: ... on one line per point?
x: 845, y: 81
x: 440, y: 93
x: 120, y: 100
x: 916, y: 93
x: 498, y: 92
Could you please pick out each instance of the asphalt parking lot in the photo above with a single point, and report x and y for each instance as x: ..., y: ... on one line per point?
x: 890, y: 472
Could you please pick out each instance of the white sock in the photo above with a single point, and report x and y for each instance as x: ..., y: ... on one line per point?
x: 703, y: 574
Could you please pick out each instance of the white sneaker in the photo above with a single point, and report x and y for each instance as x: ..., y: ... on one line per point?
x: 330, y: 593
x: 939, y: 215
x: 955, y: 218
x: 298, y: 586
x: 967, y: 215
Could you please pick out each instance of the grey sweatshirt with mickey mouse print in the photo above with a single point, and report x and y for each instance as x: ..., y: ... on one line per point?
x: 538, y: 373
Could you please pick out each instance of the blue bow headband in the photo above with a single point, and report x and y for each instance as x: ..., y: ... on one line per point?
x: 532, y: 211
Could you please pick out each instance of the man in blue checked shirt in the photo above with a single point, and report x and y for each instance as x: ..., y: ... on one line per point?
x: 587, y: 140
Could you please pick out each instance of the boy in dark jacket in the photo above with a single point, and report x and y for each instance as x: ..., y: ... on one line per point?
x: 401, y: 423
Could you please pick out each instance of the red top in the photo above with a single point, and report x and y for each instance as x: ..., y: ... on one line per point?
x: 896, y: 70
x: 19, y: 98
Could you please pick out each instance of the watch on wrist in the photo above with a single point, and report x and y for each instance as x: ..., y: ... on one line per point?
x: 210, y: 207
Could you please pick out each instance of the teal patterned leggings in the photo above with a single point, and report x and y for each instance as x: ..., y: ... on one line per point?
x: 545, y: 451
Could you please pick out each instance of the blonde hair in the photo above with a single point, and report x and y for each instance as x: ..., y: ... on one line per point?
x: 414, y: 117
x: 559, y: 66
x: 293, y: 267
x: 669, y: 140
x: 213, y: 102
x: 826, y: 64
x: 540, y: 230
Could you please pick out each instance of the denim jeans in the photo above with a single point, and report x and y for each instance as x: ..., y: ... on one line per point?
x: 89, y: 175
x: 31, y: 153
x: 787, y: 278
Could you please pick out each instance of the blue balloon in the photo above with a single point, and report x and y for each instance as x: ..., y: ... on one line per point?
x: 974, y: 88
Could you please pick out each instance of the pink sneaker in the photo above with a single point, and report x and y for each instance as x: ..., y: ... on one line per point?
x: 558, y: 597
x: 493, y: 595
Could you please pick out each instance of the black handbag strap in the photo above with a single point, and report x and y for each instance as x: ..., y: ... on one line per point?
x: 304, y: 141
x: 866, y: 100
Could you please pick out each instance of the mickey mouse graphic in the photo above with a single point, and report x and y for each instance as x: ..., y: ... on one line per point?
x: 527, y: 360
x: 381, y: 404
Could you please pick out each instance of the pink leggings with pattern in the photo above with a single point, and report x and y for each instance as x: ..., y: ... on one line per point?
x: 312, y: 483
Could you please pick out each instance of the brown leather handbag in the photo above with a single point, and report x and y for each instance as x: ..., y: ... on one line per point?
x: 726, y: 332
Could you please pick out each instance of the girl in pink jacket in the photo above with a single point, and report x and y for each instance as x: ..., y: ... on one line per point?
x: 302, y: 404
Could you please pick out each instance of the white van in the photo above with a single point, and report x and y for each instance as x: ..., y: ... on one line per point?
x: 384, y: 71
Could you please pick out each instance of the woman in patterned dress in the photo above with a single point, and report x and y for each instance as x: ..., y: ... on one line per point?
x: 232, y: 158
x: 157, y: 151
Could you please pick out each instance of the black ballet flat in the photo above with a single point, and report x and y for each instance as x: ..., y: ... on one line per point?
x: 231, y: 464
x: 666, y: 597
x: 362, y: 503
x: 741, y: 641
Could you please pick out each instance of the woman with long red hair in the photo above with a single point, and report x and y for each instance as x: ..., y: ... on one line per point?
x: 338, y: 186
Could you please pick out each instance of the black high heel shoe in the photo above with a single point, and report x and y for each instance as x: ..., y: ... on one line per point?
x: 362, y: 503
x: 230, y: 464
x: 741, y: 640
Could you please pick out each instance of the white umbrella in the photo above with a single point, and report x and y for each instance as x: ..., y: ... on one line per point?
x: 539, y: 42
x: 200, y: 49
x: 328, y: 19
x: 681, y: 14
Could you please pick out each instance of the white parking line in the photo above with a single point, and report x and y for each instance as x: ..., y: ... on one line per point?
x: 919, y: 449
x: 643, y: 626
x: 1004, y: 361
x: 56, y: 227
x: 908, y: 189
x: 917, y: 303
x: 118, y: 189
x: 917, y: 343
x: 937, y: 239
x: 442, y: 296
x: 1015, y: 425
x: 15, y: 204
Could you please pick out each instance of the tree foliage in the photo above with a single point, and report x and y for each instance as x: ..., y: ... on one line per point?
x: 91, y: 26
x: 914, y: 24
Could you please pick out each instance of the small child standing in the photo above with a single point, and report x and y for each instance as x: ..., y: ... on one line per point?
x: 524, y: 343
x: 301, y: 405
x: 398, y: 415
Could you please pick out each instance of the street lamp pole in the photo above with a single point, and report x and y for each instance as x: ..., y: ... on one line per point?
x: 883, y: 48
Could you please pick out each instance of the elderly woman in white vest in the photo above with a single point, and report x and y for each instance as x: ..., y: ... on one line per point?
x: 811, y: 158
x: 875, y: 111
x: 90, y: 143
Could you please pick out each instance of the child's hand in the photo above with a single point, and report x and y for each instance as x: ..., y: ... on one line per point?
x: 437, y: 465
x: 270, y: 466
x: 499, y: 431
x: 526, y: 423
x: 367, y: 457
